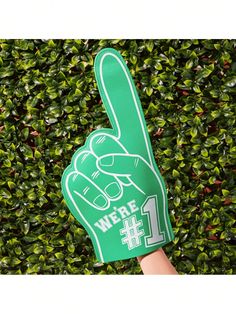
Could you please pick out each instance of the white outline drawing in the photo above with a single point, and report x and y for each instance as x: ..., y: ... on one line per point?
x: 83, y: 218
x: 101, y: 139
x: 134, y: 99
x: 140, y: 120
x: 157, y: 221
x: 115, y: 197
x: 96, y: 187
x: 131, y: 231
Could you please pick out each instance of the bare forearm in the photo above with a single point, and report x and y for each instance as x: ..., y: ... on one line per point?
x: 156, y: 263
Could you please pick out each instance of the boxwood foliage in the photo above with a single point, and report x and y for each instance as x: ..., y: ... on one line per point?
x: 49, y: 104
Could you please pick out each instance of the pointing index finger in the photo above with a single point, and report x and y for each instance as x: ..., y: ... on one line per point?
x: 122, y: 103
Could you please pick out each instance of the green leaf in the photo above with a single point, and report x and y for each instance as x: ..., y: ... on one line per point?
x: 215, y: 114
x: 204, y: 152
x: 225, y: 192
x: 37, y: 154
x: 197, y: 164
x: 5, y: 260
x: 212, y: 180
x: 176, y: 201
x: 15, y: 261
x: 6, y: 72
x: 38, y: 249
x: 175, y: 173
x: 25, y: 226
x: 4, y: 193
x: 217, y: 46
x: 205, y: 72
x: 49, y: 248
x: 202, y: 257
x: 31, y: 196
x: 216, y: 171
x: 193, y: 132
x: 133, y: 59
x: 188, y: 107
x: 71, y: 248
x: 161, y: 122
x: 223, y: 235
x: 150, y: 45
x: 210, y: 141
x: 198, y: 109
x: 186, y: 44
x: 189, y: 64
x: 25, y: 134
x: 149, y: 91
x: 59, y: 255
x: 27, y: 151
x: 196, y: 89
x: 188, y: 83
x: 230, y: 82
x: 7, y: 163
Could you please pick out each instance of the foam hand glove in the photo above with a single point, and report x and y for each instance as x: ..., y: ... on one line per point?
x: 113, y: 186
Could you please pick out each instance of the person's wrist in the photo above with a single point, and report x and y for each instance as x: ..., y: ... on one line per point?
x: 140, y: 258
x: 156, y: 262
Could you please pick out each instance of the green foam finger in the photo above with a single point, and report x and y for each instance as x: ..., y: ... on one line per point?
x: 113, y: 186
x: 103, y: 142
x: 81, y: 187
x: 106, y: 142
x: 85, y: 163
x: 122, y: 103
x: 119, y: 164
x: 133, y: 166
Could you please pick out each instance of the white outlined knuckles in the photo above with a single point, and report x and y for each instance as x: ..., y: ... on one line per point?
x: 113, y: 186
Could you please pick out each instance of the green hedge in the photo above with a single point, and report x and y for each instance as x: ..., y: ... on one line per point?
x: 49, y: 104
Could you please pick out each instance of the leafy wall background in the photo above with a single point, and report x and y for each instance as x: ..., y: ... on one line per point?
x: 49, y: 104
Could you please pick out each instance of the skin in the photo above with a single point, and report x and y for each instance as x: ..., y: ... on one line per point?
x: 156, y: 263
